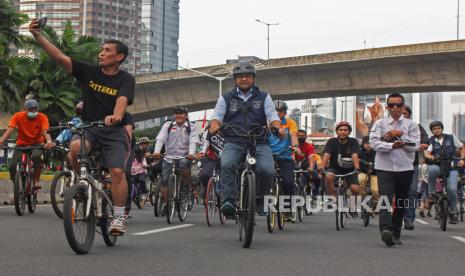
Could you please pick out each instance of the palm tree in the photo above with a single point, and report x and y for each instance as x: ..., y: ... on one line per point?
x: 56, y: 91
x: 13, y: 69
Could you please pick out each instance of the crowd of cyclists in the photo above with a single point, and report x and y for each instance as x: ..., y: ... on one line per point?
x: 397, y: 159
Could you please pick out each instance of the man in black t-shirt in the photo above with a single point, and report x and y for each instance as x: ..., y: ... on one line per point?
x: 106, y: 91
x: 342, y: 154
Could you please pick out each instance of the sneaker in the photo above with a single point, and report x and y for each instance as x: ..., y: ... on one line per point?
x: 142, y: 201
x: 118, y: 226
x: 387, y: 238
x: 228, y: 209
x: 408, y: 225
x: 164, y: 210
x: 453, y: 219
x: 422, y: 213
x: 397, y: 241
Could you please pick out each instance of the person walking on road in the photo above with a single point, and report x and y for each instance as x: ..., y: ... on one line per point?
x: 395, y: 140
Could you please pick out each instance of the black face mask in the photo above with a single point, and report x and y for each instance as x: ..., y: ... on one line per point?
x: 301, y: 140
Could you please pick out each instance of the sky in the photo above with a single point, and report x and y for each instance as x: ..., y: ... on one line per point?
x: 212, y: 31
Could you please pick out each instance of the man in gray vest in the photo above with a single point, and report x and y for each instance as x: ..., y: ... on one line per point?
x: 244, y: 106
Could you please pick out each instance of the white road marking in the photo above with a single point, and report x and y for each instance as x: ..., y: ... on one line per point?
x: 460, y: 239
x: 162, y: 229
x: 422, y: 221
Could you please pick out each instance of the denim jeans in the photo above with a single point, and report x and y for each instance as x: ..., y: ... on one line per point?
x: 286, y: 168
x: 434, y: 172
x: 409, y: 214
x: 231, y: 161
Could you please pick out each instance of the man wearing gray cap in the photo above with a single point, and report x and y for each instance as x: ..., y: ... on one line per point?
x: 32, y: 131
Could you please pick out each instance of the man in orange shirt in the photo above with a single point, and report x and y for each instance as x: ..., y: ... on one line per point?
x: 32, y: 129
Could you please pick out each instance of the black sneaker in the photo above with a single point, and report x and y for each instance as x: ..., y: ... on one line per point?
x: 387, y: 238
x: 228, y: 209
x: 408, y: 225
x: 453, y: 219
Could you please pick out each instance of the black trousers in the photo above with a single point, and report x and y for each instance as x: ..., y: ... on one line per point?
x: 392, y: 184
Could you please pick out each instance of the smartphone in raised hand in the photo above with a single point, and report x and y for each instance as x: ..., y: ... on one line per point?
x: 42, y: 22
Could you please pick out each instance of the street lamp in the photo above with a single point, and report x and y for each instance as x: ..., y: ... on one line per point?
x: 268, y: 32
x: 343, y: 103
x: 219, y: 79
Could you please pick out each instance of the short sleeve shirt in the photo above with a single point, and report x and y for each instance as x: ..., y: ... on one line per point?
x: 306, y: 150
x: 100, y: 91
x: 282, y: 147
x: 334, y: 147
x: 29, y: 130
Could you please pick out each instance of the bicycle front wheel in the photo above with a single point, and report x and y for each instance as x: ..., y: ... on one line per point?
x: 79, y: 228
x: 443, y: 214
x: 20, y: 192
x: 210, y: 202
x: 184, y: 201
x: 60, y: 185
x: 172, y: 198
x: 105, y: 220
x: 247, y: 212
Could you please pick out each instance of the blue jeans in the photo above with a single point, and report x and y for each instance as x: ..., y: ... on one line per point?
x: 433, y: 173
x: 287, y: 175
x: 409, y: 214
x: 231, y: 161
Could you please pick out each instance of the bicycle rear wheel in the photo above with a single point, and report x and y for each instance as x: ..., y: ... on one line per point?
x: 19, y: 191
x: 247, y: 213
x: 210, y: 202
x: 105, y: 220
x: 60, y: 185
x: 79, y: 229
x: 172, y: 197
x: 443, y: 214
x: 280, y: 215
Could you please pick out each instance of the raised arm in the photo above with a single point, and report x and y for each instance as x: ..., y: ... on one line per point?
x: 52, y: 51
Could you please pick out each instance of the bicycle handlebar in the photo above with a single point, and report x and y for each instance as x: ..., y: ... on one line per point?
x: 340, y: 175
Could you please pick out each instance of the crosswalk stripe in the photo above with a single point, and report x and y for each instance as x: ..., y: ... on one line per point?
x: 460, y: 239
x: 422, y: 221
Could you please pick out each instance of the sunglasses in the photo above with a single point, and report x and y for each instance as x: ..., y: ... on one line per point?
x: 393, y: 105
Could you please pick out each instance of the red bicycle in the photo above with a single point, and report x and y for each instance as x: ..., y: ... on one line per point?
x: 24, y: 192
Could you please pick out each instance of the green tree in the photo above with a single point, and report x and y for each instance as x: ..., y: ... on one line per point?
x: 13, y: 69
x: 56, y: 91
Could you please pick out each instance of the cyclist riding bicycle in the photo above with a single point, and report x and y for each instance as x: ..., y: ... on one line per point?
x: 211, y: 147
x: 342, y: 154
x: 247, y: 107
x: 107, y: 91
x: 308, y: 160
x: 368, y: 155
x: 64, y: 138
x: 32, y: 131
x: 282, y: 146
x: 180, y: 139
x: 442, y: 149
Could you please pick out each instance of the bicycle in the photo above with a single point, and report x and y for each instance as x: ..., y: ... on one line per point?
x: 136, y: 194
x: 274, y: 215
x: 365, y: 213
x: 87, y: 204
x: 341, y: 198
x: 214, y: 198
x: 23, y: 185
x: 179, y: 196
x: 300, y: 191
x: 246, y: 183
x: 441, y: 200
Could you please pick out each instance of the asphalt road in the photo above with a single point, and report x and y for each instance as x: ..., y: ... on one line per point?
x: 36, y: 245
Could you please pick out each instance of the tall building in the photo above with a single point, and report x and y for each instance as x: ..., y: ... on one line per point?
x: 159, y: 35
x: 57, y: 12
x: 458, y: 125
x: 117, y: 19
x: 430, y: 108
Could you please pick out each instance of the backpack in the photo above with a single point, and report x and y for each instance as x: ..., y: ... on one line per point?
x: 172, y: 123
